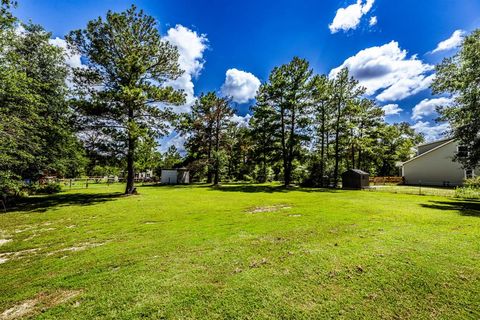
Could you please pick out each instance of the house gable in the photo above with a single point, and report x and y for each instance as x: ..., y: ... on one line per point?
x: 435, y: 167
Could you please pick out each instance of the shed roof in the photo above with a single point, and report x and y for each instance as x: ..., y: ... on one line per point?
x: 357, y: 171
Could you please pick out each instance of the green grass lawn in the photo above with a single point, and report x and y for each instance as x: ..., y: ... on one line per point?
x: 240, y: 252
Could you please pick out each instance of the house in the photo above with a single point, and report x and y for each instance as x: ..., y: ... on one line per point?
x: 433, y: 165
x: 145, y: 175
x: 175, y: 176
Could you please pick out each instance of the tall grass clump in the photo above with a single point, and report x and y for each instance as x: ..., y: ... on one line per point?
x: 470, y: 189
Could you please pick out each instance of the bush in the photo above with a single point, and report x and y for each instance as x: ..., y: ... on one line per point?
x: 10, y: 184
x: 467, y: 193
x: 470, y: 189
x: 472, y: 183
x: 49, y: 188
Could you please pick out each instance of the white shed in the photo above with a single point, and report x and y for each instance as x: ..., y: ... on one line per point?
x: 175, y: 176
x: 434, y: 165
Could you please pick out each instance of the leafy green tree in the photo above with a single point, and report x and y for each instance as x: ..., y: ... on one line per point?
x: 394, y: 144
x: 322, y: 94
x: 238, y: 150
x: 123, y: 82
x: 288, y: 95
x: 36, y: 133
x: 345, y: 92
x: 205, y: 129
x: 365, y: 119
x: 171, y: 158
x: 264, y: 133
x: 147, y: 157
x: 459, y: 76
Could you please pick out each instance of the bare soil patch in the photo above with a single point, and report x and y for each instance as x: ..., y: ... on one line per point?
x: 42, y: 301
x: 80, y: 247
x: 4, y: 241
x: 273, y: 208
x: 4, y: 257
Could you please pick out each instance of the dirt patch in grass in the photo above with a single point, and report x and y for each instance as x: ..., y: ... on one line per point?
x: 80, y: 247
x: 19, y: 310
x: 41, y: 302
x: 4, y: 257
x: 4, y: 241
x: 273, y: 208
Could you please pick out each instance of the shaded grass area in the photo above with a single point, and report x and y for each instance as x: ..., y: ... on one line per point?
x: 243, y: 252
x: 52, y: 202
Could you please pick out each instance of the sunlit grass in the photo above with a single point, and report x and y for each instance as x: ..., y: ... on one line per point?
x: 242, y: 252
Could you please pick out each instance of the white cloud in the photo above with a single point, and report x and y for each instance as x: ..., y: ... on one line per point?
x: 349, y: 17
x: 191, y: 47
x: 72, y: 59
x: 242, y: 120
x: 427, y: 107
x: 431, y: 132
x: 388, y: 70
x: 391, y: 109
x: 240, y: 85
x: 373, y: 21
x: 174, y: 139
x: 453, y: 42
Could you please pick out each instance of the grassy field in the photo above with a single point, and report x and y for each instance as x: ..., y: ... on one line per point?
x: 240, y: 252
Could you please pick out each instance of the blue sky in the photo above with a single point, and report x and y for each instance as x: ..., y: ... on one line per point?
x: 252, y: 37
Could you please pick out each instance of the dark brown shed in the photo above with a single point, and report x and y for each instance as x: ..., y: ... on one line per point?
x: 355, y: 179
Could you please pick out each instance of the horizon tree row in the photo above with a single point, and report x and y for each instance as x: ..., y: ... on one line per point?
x: 108, y: 115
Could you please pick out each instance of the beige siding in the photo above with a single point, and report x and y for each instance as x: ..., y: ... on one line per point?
x: 435, y: 168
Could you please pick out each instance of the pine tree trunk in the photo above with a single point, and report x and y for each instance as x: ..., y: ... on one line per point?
x: 130, y: 160
x: 209, y: 157
x: 337, y: 148
x: 322, y: 149
x: 216, y: 169
x: 286, y: 174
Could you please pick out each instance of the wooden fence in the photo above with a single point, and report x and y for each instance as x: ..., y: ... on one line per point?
x: 386, y: 180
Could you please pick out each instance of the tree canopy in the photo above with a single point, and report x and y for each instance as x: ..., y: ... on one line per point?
x: 459, y: 76
x: 121, y: 89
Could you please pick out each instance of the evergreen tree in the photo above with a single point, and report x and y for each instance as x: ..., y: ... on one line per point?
x: 123, y: 82
x: 459, y: 76
x: 205, y: 129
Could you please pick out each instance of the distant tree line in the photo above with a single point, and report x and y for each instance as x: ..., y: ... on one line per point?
x: 107, y: 116
x: 304, y: 128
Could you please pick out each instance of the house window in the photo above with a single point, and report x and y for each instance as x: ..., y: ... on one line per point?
x: 469, y: 174
x: 462, y: 151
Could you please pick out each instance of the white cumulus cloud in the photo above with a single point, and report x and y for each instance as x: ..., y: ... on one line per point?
x: 388, y: 72
x: 428, y: 107
x: 191, y: 47
x: 71, y: 59
x: 243, y: 121
x: 241, y: 86
x: 453, y: 42
x: 373, y: 21
x: 391, y: 109
x: 431, y: 132
x: 350, y: 17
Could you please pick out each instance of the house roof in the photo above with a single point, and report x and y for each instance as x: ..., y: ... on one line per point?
x: 432, y: 142
x: 447, y: 141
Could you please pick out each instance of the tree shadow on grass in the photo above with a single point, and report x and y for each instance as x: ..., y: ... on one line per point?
x: 469, y: 208
x: 44, y: 203
x: 252, y: 188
